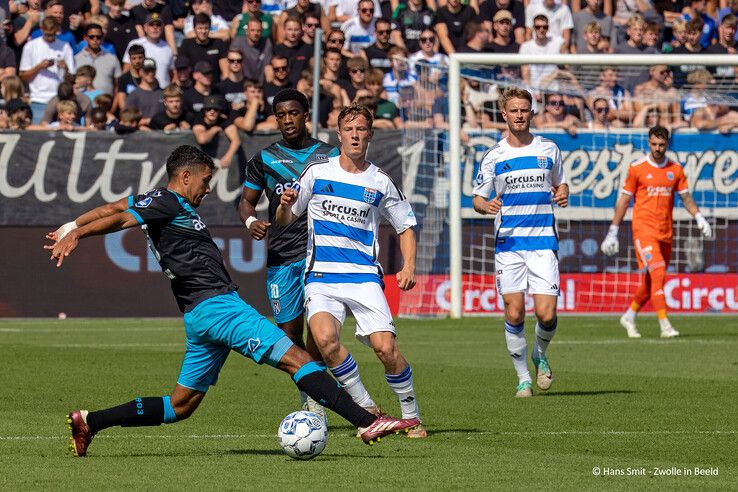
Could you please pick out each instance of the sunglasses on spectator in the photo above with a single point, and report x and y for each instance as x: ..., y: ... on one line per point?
x: 357, y: 70
x: 280, y: 69
x: 428, y: 39
x: 311, y: 24
x: 94, y: 36
x: 602, y: 109
x: 253, y: 1
x: 383, y: 31
x: 367, y: 11
x: 341, y: 41
x: 235, y: 60
x: 542, y: 27
x: 556, y: 103
x: 664, y: 72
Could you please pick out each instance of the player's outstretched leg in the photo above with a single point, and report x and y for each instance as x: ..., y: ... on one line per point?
x: 140, y: 412
x: 517, y: 347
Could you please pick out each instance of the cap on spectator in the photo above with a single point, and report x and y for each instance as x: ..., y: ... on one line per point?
x: 502, y: 15
x: 149, y: 64
x: 214, y: 102
x: 16, y: 105
x: 203, y: 67
x: 182, y: 62
x: 153, y: 17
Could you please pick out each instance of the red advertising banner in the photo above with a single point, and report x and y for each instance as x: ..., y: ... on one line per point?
x: 580, y: 293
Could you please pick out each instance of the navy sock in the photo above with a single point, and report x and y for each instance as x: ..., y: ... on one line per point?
x: 324, y: 389
x: 146, y: 411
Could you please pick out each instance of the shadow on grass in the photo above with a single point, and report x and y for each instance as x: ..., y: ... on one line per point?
x: 587, y: 393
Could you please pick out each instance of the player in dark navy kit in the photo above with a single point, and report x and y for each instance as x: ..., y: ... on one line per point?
x: 271, y: 171
x: 216, y: 319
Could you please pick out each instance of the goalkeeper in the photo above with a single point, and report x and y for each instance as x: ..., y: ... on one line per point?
x: 651, y: 182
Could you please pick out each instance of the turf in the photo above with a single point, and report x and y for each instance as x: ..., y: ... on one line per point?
x: 618, y: 405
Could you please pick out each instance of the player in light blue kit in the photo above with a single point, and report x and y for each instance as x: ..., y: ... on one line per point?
x: 518, y: 180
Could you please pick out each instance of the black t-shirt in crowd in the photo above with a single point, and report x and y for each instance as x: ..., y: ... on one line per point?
x: 271, y: 90
x: 121, y: 31
x: 298, y: 58
x: 232, y: 91
x: 378, y: 57
x: 162, y: 119
x: 187, y: 253
x: 128, y: 83
x: 139, y: 13
x: 211, y: 52
x: 455, y: 23
x: 192, y: 100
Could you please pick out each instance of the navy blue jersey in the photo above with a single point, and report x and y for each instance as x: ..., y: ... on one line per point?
x: 182, y: 244
x: 274, y: 169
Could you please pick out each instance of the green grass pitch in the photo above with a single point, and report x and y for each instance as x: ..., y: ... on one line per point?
x: 617, y: 406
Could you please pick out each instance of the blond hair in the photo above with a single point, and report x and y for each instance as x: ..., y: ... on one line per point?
x: 66, y: 106
x: 515, y: 93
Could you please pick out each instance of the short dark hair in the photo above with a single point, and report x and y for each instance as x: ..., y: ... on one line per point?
x: 187, y: 156
x: 290, y: 95
x: 659, y: 132
x: 136, y: 49
x: 92, y: 26
x: 200, y: 19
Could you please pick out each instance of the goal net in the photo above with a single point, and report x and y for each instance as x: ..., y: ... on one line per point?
x: 599, y: 116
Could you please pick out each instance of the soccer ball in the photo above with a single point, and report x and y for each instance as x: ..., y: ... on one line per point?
x: 303, y: 435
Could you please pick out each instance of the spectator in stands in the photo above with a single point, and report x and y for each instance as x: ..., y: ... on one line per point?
x: 409, y: 20
x: 377, y: 53
x: 565, y: 83
x: 560, y: 20
x: 194, y: 97
x: 251, y: 10
x: 691, y: 46
x: 359, y: 29
x: 218, y: 27
x: 502, y: 38
x: 104, y: 102
x: 173, y: 117
x: 624, y: 12
x: 336, y: 39
x: 121, y: 28
x: 652, y: 35
x: 20, y: 115
x: 8, y: 63
x: 489, y: 9
x: 696, y: 10
x: 83, y: 82
x: 209, y: 124
x: 231, y: 88
x: 310, y: 25
x: 156, y: 48
x: 679, y: 35
x: 326, y: 102
x: 658, y: 94
x: 128, y: 82
x: 202, y: 47
x: 555, y: 116
x: 26, y: 22
x: 55, y: 9
x: 592, y: 40
x: 477, y: 37
x: 330, y: 79
x: 105, y: 46
x: 385, y: 111
x: 601, y: 119
x: 451, y: 19
x: 294, y: 49
x: 583, y: 20
x: 491, y: 117
x: 706, y: 114
x: 342, y: 10
x: 44, y: 64
x: 257, y: 114
x: 66, y: 92
x: 107, y: 66
x: 152, y: 9
x: 636, y: 28
x: 356, y: 85
x: 303, y: 9
x: 148, y: 95
x: 98, y: 121
x: 726, y: 45
x: 66, y: 114
x: 256, y: 51
x: 615, y: 94
x: 428, y: 58
x: 183, y: 73
x: 279, y: 66
x: 12, y: 88
x: 399, y: 81
x: 130, y: 121
x: 541, y: 44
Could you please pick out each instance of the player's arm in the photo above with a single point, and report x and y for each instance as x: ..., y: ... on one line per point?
x: 408, y: 249
x: 96, y: 213
x: 483, y: 187
x: 610, y: 245
x: 247, y: 212
x: 691, y: 206
x: 102, y: 225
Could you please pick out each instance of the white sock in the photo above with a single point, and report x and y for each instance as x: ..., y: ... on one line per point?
x: 665, y: 324
x: 630, y: 315
x: 543, y: 338
x: 402, y: 385
x: 518, y: 349
x: 347, y: 373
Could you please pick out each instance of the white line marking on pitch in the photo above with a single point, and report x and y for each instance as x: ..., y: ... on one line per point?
x: 350, y: 435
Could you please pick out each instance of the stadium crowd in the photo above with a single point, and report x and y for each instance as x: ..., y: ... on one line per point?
x: 213, y: 66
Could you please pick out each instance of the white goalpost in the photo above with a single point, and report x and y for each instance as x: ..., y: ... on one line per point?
x: 456, y: 249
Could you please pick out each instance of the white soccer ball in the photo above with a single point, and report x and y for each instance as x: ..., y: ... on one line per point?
x: 303, y: 435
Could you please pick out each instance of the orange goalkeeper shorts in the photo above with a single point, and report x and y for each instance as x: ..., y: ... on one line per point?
x: 652, y: 253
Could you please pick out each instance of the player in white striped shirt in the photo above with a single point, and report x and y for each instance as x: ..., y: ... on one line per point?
x: 345, y: 198
x: 518, y: 180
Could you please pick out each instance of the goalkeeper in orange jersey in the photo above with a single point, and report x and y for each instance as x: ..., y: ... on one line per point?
x: 651, y: 183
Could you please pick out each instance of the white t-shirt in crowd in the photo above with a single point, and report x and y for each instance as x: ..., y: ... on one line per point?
x: 44, y: 85
x: 161, y: 53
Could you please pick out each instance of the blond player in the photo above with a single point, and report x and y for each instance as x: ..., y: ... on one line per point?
x: 651, y: 183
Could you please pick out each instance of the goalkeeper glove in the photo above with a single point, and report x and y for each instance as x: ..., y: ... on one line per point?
x: 703, y: 225
x: 610, y: 246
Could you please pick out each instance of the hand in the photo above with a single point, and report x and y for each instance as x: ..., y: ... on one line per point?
x: 62, y: 231
x: 62, y: 64
x: 703, y: 225
x: 48, y: 63
x: 258, y: 229
x: 405, y: 279
x: 74, y: 21
x: 561, y: 196
x: 610, y: 246
x: 288, y: 198
x: 225, y: 161
x: 494, y: 205
x: 63, y: 248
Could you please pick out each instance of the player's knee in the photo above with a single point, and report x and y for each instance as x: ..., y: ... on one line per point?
x: 327, y: 342
x: 546, y: 317
x: 386, y: 350
x: 514, y: 317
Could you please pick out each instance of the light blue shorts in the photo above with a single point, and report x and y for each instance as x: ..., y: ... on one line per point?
x: 285, y: 288
x: 221, y: 324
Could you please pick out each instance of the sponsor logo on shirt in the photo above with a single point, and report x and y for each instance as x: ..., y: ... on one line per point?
x: 370, y: 195
x: 659, y: 190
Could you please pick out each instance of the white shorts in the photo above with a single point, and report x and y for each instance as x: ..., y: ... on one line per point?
x: 366, y: 301
x: 536, y: 272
